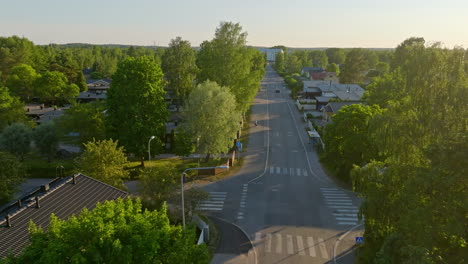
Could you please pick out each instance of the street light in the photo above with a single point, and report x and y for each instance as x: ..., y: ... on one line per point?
x: 149, y: 147
x: 182, y: 186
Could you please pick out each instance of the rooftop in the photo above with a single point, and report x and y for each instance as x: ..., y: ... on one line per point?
x: 62, y: 197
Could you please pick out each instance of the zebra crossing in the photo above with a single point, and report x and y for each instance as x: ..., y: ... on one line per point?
x: 215, y: 202
x: 289, y: 171
x: 344, y: 211
x: 278, y: 243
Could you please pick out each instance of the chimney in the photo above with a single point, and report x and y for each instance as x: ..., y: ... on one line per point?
x: 74, y: 178
x: 7, y: 218
x: 37, y: 202
x: 19, y: 203
x: 45, y: 187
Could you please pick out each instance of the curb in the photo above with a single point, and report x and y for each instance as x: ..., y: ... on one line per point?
x: 245, y: 233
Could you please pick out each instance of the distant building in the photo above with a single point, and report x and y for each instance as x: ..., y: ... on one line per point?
x: 97, y: 90
x: 41, y: 113
x: 63, y: 197
x: 324, y: 91
x: 271, y: 53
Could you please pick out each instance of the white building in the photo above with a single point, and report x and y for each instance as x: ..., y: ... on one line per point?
x: 271, y: 53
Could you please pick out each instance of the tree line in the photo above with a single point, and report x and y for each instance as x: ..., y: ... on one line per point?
x: 405, y: 151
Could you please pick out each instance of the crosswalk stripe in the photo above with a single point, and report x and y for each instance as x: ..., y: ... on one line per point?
x: 268, y: 243
x: 346, y: 218
x: 210, y: 205
x: 323, y: 249
x: 218, y: 193
x: 338, y: 199
x: 278, y: 243
x: 300, y: 246
x: 338, y: 203
x: 305, y: 173
x: 298, y: 172
x: 347, y: 223
x: 310, y: 244
x: 216, y: 199
x: 210, y: 208
x: 272, y: 170
x: 342, y: 207
x: 278, y: 170
x: 289, y: 244
x: 347, y: 210
x: 324, y: 188
x: 341, y: 214
x: 213, y: 202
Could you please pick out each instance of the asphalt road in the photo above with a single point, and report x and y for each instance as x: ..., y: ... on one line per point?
x: 292, y: 212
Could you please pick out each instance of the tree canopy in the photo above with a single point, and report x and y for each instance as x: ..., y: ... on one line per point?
x: 16, y: 139
x: 211, y: 117
x: 11, y: 109
x: 12, y: 175
x: 136, y: 105
x: 104, y: 160
x: 118, y: 231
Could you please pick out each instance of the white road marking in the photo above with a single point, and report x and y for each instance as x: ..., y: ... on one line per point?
x: 300, y: 246
x: 341, y: 214
x: 347, y: 210
x: 338, y: 203
x: 210, y: 209
x: 278, y: 170
x: 240, y: 213
x: 347, y: 219
x: 240, y: 217
x: 342, y: 207
x: 289, y: 244
x: 305, y: 172
x: 216, y: 199
x: 310, y: 244
x: 323, y: 188
x: 268, y: 243
x: 298, y: 171
x: 278, y: 243
x: 218, y: 193
x: 347, y: 223
x: 272, y: 170
x: 202, y: 204
x: 323, y: 249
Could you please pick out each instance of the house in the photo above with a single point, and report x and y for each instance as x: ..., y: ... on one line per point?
x: 325, y: 76
x: 97, y: 90
x: 308, y: 71
x: 63, y: 197
x: 41, y: 113
x: 322, y: 91
x: 332, y: 108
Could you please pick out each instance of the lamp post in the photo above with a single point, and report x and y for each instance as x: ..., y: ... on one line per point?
x: 149, y: 147
x: 182, y: 186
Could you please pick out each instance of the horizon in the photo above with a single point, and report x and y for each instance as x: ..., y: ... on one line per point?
x: 301, y: 25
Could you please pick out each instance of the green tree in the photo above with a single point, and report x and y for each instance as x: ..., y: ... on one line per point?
x: 46, y: 139
x: 53, y: 88
x: 11, y: 109
x: 354, y: 67
x: 21, y: 81
x: 16, y: 139
x: 227, y: 61
x: 319, y: 58
x: 118, y: 231
x: 104, y: 160
x: 211, y: 117
x: 183, y: 144
x: 12, y: 175
x: 157, y: 185
x: 179, y: 67
x: 292, y: 64
x: 279, y: 62
x: 333, y: 68
x: 86, y: 119
x: 382, y: 67
x: 347, y: 138
x: 136, y: 105
x: 335, y: 55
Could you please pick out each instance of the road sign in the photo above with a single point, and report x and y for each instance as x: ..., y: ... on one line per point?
x: 359, y: 240
x: 238, y: 144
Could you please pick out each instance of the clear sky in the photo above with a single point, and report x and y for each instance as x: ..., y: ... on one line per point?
x: 293, y: 23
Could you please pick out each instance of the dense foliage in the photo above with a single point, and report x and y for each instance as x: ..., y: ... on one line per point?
x: 413, y: 177
x: 117, y: 231
x: 11, y: 175
x: 104, y: 160
x: 136, y: 105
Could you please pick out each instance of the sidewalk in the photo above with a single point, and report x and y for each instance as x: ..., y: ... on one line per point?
x: 234, y: 246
